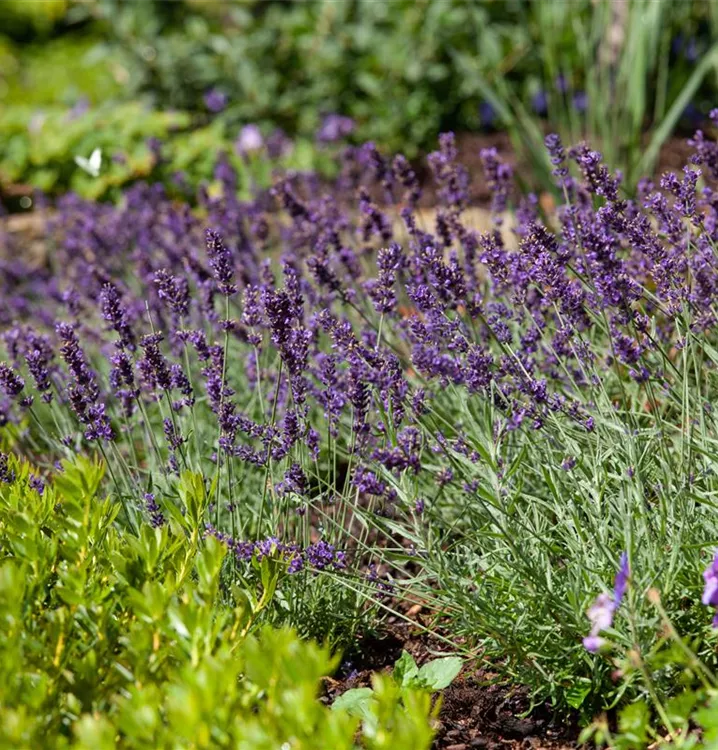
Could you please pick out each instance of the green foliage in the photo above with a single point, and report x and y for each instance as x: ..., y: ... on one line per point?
x: 389, y: 65
x: 409, y: 684
x: 405, y: 70
x: 148, y: 634
x: 402, y: 70
x: 686, y: 719
x: 522, y: 557
x: 22, y: 19
x: 375, y: 707
x: 436, y: 674
x: 606, y: 73
x: 116, y: 640
x: 64, y: 70
x: 40, y: 146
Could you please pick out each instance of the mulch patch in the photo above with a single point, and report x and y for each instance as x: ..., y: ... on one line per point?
x: 478, y: 710
x: 477, y: 713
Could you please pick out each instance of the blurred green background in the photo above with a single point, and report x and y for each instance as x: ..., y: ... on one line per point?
x: 76, y: 76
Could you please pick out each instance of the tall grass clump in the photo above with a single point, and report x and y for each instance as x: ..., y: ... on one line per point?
x: 623, y: 75
x: 390, y: 410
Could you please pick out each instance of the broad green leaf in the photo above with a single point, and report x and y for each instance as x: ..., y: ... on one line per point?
x: 440, y: 673
x: 577, y: 694
x: 405, y: 670
x: 707, y: 717
x: 678, y: 708
x: 356, y: 702
x: 191, y: 489
x: 633, y: 723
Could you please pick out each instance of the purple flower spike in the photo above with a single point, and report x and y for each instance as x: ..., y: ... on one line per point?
x: 36, y: 483
x: 10, y: 381
x: 154, y: 511
x: 600, y: 613
x: 215, y: 100
x: 593, y: 643
x: 153, y: 366
x: 322, y: 555
x: 621, y: 582
x: 115, y: 313
x: 498, y: 176
x: 84, y: 391
x: 174, y: 291
x: 38, y: 364
x: 220, y: 259
x: 604, y: 607
x: 710, y: 590
x: 7, y: 475
x: 558, y: 156
x: 249, y: 139
x: 335, y: 128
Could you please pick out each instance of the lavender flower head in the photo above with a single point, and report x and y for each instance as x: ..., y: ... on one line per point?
x: 38, y: 361
x: 174, y: 290
x: 10, y: 382
x: 710, y: 590
x: 335, y: 128
x: 154, y: 511
x: 36, y: 483
x: 84, y: 391
x: 7, y: 475
x: 621, y: 582
x: 115, y: 313
x: 601, y: 612
x: 322, y: 555
x: 220, y: 260
x: 215, y: 100
x: 558, y: 156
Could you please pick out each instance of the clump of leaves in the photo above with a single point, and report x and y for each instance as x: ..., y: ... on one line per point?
x: 112, y: 639
x: 406, y: 679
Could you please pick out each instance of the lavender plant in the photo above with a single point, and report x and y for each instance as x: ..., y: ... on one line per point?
x: 392, y: 411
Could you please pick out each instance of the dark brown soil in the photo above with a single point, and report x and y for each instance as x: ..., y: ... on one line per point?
x: 478, y: 710
x: 479, y: 713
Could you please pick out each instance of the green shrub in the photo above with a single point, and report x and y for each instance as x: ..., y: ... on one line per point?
x: 22, y: 19
x: 114, y: 640
x: 40, y: 146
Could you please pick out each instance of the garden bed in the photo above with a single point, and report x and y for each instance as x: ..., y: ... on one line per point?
x: 478, y: 710
x: 355, y: 410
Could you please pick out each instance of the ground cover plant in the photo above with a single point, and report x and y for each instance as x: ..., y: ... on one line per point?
x: 41, y: 150
x: 370, y: 410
